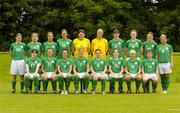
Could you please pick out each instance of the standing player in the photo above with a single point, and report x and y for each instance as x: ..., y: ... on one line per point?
x: 99, y: 43
x: 81, y: 69
x: 32, y: 67
x: 133, y: 71
x: 81, y: 42
x: 17, y: 51
x: 64, y: 43
x: 49, y: 70
x: 34, y: 44
x: 64, y: 68
x: 116, y: 43
x: 149, y: 44
x: 164, y: 55
x: 116, y: 70
x: 134, y: 44
x: 150, y: 71
x: 98, y: 68
x: 49, y: 44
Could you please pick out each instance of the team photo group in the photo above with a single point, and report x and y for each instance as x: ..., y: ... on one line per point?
x: 63, y: 61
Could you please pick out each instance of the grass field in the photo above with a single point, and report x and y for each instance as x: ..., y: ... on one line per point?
x: 116, y: 103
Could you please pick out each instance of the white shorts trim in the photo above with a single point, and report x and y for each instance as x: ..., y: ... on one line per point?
x: 101, y: 75
x: 164, y: 68
x: 138, y: 58
x: 31, y: 75
x: 150, y: 76
x: 17, y: 67
x: 133, y: 75
x: 49, y: 75
x: 117, y: 75
x: 81, y: 75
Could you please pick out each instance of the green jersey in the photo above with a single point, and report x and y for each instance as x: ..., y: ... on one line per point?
x: 133, y: 45
x: 163, y: 52
x: 64, y: 44
x: 37, y: 46
x: 81, y: 64
x: 116, y: 65
x: 32, y: 63
x: 149, y: 46
x: 64, y: 65
x: 150, y: 66
x: 133, y: 66
x: 116, y: 44
x: 98, y: 65
x: 48, y: 45
x: 17, y: 50
x: 49, y: 64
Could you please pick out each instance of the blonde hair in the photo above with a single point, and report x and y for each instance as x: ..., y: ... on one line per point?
x: 132, y: 51
x: 99, y: 31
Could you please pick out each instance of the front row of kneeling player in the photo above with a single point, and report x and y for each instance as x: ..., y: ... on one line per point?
x: 60, y: 70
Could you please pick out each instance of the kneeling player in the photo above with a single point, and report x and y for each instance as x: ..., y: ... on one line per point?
x: 116, y: 69
x: 133, y: 71
x: 150, y: 71
x: 64, y: 68
x: 49, y: 71
x: 81, y: 69
x: 32, y: 66
x: 98, y: 68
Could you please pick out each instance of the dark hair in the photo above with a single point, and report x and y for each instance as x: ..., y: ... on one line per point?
x: 115, y: 49
x: 18, y: 34
x: 49, y: 33
x: 97, y: 50
x: 64, y: 50
x: 34, y: 33
x: 149, y: 50
x: 116, y: 31
x: 81, y: 31
x: 133, y: 30
x: 34, y: 50
x: 150, y: 33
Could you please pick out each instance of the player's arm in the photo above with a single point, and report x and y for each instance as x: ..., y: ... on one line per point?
x: 110, y: 70
x: 70, y: 69
x: 171, y: 59
x: 43, y: 71
x: 73, y: 47
x: 122, y: 69
x: 87, y: 71
x: 37, y: 68
x: 139, y: 70
x: 89, y: 47
x: 106, y: 47
x: 105, y: 69
x: 126, y: 70
x: 27, y: 68
x: 74, y: 69
x: 92, y: 47
x: 59, y: 69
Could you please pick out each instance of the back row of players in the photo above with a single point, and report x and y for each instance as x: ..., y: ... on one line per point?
x: 55, y: 62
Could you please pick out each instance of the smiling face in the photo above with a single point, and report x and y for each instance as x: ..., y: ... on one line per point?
x: 149, y: 55
x: 18, y: 38
x: 133, y: 34
x: 50, y: 36
x: 163, y: 39
x: 34, y: 54
x: 98, y: 54
x: 116, y: 35
x: 81, y: 52
x: 34, y: 37
x: 116, y: 53
x: 64, y: 54
x: 132, y: 54
x: 149, y: 37
x: 50, y: 52
x: 64, y: 34
x: 100, y: 33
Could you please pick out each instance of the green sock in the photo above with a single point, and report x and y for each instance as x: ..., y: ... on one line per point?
x: 76, y: 82
x: 162, y: 83
x: 39, y: 85
x: 128, y: 82
x: 45, y: 85
x: 94, y: 82
x: 26, y: 83
x: 13, y: 84
x: 36, y: 82
x: 120, y: 81
x: 53, y: 82
x: 112, y: 83
x: 166, y: 83
x: 22, y: 84
x: 67, y: 82
x: 86, y: 82
x: 138, y: 83
x: 103, y: 84
x: 61, y: 83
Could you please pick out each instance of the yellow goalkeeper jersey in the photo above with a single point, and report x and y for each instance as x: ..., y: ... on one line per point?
x: 84, y: 43
x: 101, y: 44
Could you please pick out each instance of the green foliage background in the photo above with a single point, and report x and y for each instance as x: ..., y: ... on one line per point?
x: 27, y: 16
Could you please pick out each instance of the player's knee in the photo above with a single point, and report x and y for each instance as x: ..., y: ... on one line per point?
x: 128, y: 77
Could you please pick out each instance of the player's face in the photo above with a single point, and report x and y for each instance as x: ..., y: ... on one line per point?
x: 64, y: 34
x: 33, y: 54
x: 116, y: 35
x: 49, y: 52
x: 81, y: 52
x: 34, y: 38
x: 149, y: 37
x: 50, y: 37
x: 116, y: 53
x: 149, y: 55
x: 81, y: 35
x: 18, y: 38
x: 132, y: 55
x: 99, y: 34
x: 133, y: 35
x: 64, y: 54
x: 163, y: 40
x: 98, y: 54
